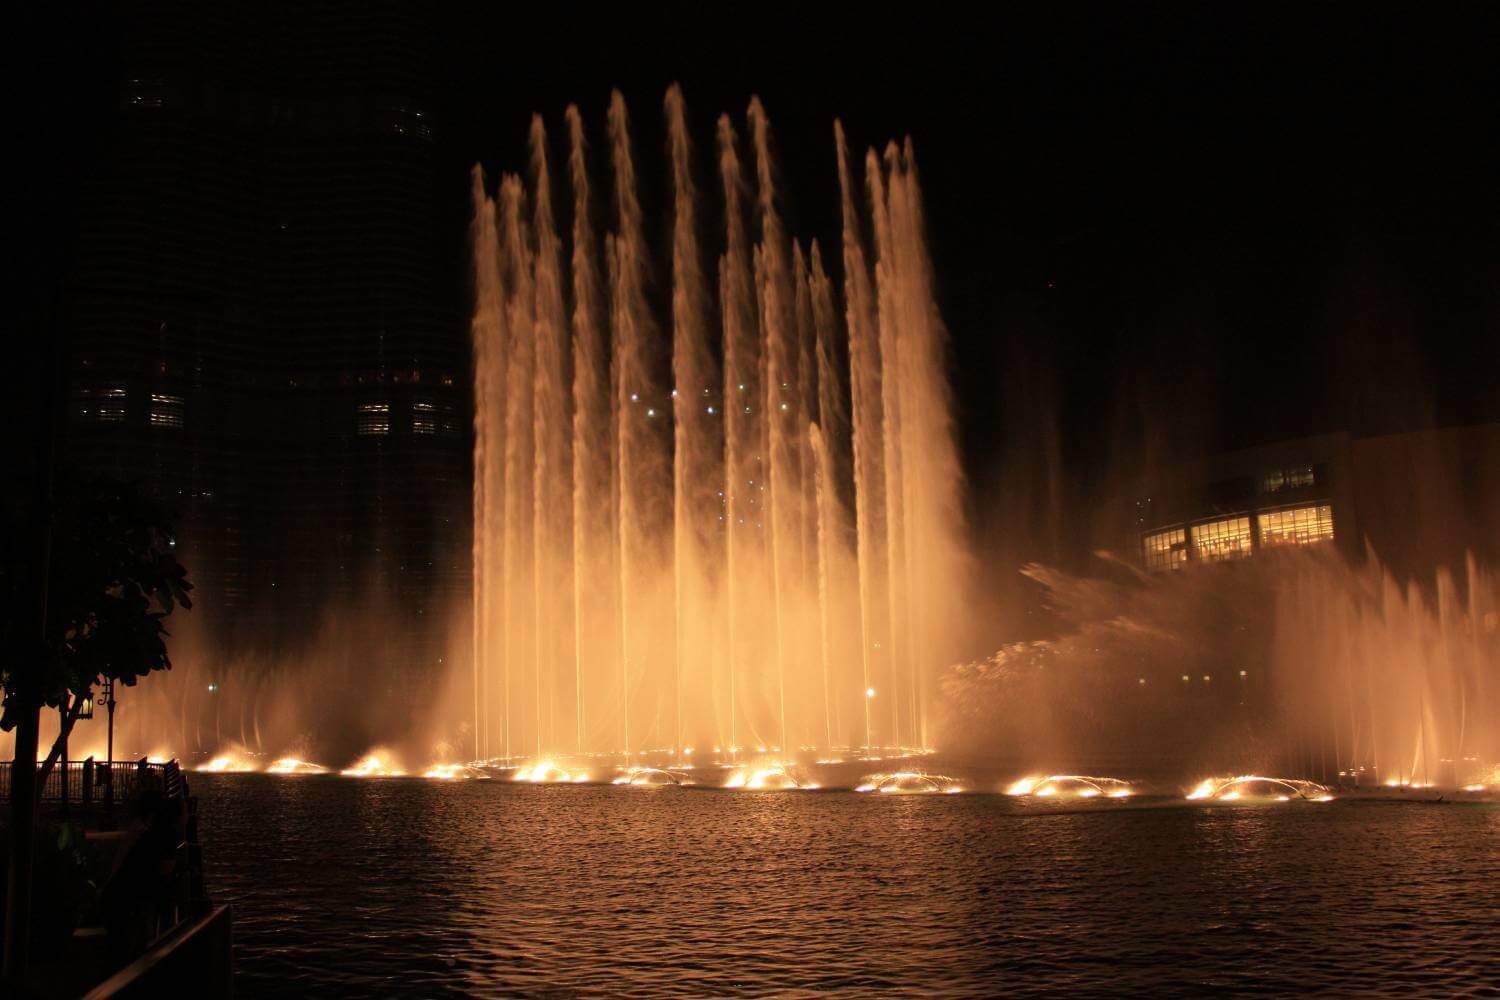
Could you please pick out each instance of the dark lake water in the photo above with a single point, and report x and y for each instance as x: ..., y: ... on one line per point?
x: 485, y: 888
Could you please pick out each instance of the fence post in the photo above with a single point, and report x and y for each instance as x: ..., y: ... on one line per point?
x: 88, y: 781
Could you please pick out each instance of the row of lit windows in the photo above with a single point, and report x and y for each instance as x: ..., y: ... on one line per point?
x: 166, y: 411
x: 1226, y: 538
x: 106, y: 405
x: 1230, y: 538
x: 1294, y: 478
x: 1296, y: 526
x: 375, y: 418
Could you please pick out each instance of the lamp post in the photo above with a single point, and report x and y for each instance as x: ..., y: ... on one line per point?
x: 85, y: 711
x: 109, y: 752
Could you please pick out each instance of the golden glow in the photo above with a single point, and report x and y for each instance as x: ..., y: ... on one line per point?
x: 1073, y: 786
x: 765, y: 778
x: 547, y: 772
x: 1165, y: 549
x: 376, y: 764
x: 291, y: 765
x: 1258, y: 788
x: 651, y: 776
x: 1296, y: 525
x: 909, y: 783
x: 1225, y: 538
x: 229, y: 763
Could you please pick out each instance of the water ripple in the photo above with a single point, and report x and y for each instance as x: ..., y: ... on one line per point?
x: 372, y: 888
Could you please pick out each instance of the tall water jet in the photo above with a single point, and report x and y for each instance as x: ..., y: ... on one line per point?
x: 663, y: 559
x: 778, y: 330
x: 636, y: 406
x: 593, y: 523
x: 550, y: 483
x: 696, y: 471
x: 864, y: 392
x: 741, y: 370
x: 523, y: 599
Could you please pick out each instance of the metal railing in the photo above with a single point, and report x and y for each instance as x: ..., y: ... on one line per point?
x: 86, y: 781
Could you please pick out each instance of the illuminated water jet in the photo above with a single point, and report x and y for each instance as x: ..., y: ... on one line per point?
x: 651, y: 776
x: 452, y: 772
x: 547, y: 772
x: 375, y: 764
x: 229, y: 762
x: 1254, y: 788
x: 909, y: 783
x: 770, y: 777
x: 291, y: 765
x: 665, y: 544
x: 1070, y: 786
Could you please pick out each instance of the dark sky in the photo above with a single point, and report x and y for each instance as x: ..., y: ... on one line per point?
x: 1239, y: 221
x: 1258, y: 220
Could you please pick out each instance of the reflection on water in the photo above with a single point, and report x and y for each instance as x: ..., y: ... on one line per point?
x: 360, y: 888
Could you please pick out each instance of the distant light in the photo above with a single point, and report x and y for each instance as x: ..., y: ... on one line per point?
x: 634, y: 397
x: 869, y: 692
x: 710, y: 409
x: 674, y: 393
x: 783, y: 406
x: 1243, y: 673
x: 1141, y: 681
x: 650, y: 413
x: 1185, y: 678
x: 213, y: 687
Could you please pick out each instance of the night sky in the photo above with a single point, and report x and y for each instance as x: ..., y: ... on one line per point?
x: 1209, y: 225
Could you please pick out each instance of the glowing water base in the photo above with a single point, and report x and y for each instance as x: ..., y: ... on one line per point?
x: 714, y: 505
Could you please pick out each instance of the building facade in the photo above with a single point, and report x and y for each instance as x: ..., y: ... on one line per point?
x: 1418, y: 499
x: 261, y: 324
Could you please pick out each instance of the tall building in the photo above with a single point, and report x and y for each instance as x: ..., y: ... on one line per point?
x: 262, y: 326
x: 1420, y: 499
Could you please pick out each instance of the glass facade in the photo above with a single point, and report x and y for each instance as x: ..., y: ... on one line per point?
x: 166, y: 411
x: 1166, y: 549
x: 374, y: 418
x: 1225, y: 538
x: 1295, y: 478
x: 1296, y: 525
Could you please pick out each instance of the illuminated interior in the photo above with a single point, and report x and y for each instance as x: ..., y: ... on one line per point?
x: 1225, y: 538
x: 1165, y: 549
x: 1296, y: 525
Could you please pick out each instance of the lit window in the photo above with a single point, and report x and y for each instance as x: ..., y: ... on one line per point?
x: 104, y: 405
x: 1295, y: 478
x: 166, y: 411
x: 1226, y: 538
x: 374, y: 418
x: 1296, y: 526
x: 1166, y: 549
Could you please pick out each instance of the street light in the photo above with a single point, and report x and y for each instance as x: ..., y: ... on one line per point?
x: 109, y: 753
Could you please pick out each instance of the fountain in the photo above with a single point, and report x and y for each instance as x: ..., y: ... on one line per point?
x: 1301, y: 663
x: 726, y: 522
x: 1071, y: 786
x: 291, y: 765
x: 1253, y: 788
x: 909, y: 783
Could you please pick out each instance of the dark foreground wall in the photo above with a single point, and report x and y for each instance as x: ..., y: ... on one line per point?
x: 197, y: 962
